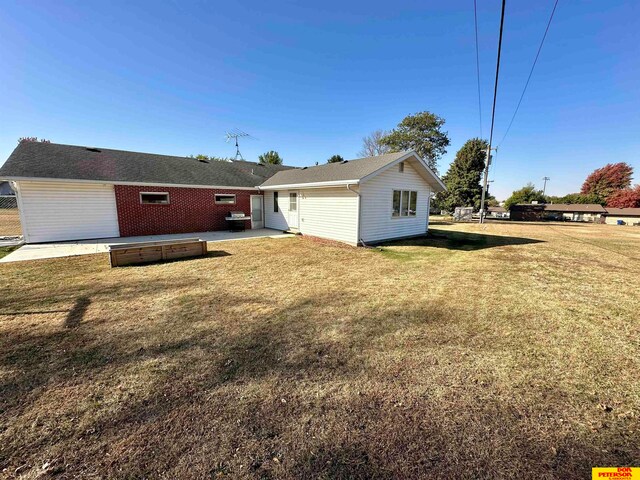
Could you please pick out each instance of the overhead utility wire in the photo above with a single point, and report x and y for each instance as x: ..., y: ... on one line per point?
x: 475, y: 18
x: 530, y: 73
x: 493, y: 116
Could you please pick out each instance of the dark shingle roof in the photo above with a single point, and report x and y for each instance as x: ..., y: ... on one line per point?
x: 333, y: 172
x: 50, y: 160
x: 632, y: 212
x: 574, y: 207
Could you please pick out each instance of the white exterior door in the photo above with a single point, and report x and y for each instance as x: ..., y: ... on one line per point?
x: 257, y: 212
x: 58, y: 211
x: 294, y: 208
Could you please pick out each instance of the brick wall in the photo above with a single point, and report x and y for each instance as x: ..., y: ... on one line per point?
x: 189, y: 210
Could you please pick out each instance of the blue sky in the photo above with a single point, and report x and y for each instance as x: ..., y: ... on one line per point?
x: 310, y: 79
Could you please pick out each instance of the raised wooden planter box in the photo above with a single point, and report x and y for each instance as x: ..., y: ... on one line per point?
x: 148, y: 252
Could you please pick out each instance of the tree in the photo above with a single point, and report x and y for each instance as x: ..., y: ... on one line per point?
x: 211, y: 158
x: 576, y: 198
x: 371, y: 146
x: 625, y: 198
x: 335, y: 159
x: 606, y: 180
x: 526, y: 194
x: 421, y: 132
x: 270, y: 158
x: 463, y: 177
x: 32, y: 139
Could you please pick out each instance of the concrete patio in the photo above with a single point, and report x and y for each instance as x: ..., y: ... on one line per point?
x: 87, y: 247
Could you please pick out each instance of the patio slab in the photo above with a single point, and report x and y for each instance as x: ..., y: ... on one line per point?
x: 86, y: 247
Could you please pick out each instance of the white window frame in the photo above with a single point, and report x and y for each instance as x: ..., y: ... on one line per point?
x: 401, y: 167
x: 402, y: 196
x: 155, y: 203
x: 216, y: 195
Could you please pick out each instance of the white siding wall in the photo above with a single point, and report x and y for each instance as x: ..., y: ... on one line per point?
x: 276, y: 220
x: 377, y: 202
x: 67, y: 211
x: 329, y: 213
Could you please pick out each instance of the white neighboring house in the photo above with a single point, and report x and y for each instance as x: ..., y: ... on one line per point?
x: 359, y: 201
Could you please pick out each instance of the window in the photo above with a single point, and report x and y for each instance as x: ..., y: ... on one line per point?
x: 293, y: 202
x: 275, y: 202
x: 225, y: 199
x: 404, y: 203
x: 158, y: 198
x: 401, y: 167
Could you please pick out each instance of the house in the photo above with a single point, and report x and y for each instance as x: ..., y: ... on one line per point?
x: 67, y: 192
x: 498, y: 212
x: 364, y: 200
x: 628, y: 216
x: 575, y: 212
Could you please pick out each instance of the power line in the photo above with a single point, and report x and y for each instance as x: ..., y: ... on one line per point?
x: 531, y: 72
x: 493, y: 115
x: 475, y: 19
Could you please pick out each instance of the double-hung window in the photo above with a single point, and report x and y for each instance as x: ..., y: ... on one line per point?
x: 404, y: 203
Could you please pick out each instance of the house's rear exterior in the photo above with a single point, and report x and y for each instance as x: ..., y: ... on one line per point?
x: 72, y: 193
x: 67, y: 192
x: 389, y: 202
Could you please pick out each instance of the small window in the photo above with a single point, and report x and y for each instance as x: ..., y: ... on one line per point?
x: 404, y: 203
x: 401, y: 167
x: 275, y: 202
x: 225, y: 199
x: 158, y: 198
x: 293, y: 202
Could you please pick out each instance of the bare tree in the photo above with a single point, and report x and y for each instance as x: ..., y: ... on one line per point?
x: 372, y: 146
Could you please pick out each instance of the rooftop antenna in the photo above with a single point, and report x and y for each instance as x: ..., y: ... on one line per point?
x: 235, y: 134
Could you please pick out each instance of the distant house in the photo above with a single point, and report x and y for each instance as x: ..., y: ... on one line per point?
x: 5, y: 189
x: 498, y: 212
x: 628, y: 216
x: 573, y: 212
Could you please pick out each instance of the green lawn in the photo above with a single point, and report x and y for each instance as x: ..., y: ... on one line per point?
x: 504, y: 350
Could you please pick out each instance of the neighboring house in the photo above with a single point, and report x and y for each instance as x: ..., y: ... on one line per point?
x: 365, y: 200
x: 575, y: 212
x: 628, y: 216
x: 71, y: 192
x: 498, y: 212
x: 5, y: 189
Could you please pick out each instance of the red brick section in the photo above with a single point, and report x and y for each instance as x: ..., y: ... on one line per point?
x: 189, y: 210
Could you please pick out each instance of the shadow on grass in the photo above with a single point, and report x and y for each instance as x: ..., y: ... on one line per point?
x: 459, y: 241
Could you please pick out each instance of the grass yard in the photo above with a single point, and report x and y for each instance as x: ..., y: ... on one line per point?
x: 505, y: 350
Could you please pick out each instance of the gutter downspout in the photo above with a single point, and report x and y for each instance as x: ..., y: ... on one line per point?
x: 358, y: 238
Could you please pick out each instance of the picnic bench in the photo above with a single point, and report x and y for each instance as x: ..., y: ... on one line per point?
x: 157, y: 251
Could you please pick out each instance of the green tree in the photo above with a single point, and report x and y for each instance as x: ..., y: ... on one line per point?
x: 211, y: 158
x: 335, y: 159
x: 464, y: 176
x: 421, y: 132
x: 577, y: 198
x: 526, y: 194
x: 270, y: 158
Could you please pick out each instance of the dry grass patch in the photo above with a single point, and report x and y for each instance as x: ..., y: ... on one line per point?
x: 509, y: 350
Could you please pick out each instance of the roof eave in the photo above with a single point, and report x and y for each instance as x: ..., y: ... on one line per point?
x: 286, y: 186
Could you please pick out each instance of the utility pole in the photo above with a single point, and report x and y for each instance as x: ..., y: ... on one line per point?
x: 544, y: 189
x: 485, y: 181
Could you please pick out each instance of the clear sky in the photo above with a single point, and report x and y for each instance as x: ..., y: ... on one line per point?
x: 310, y: 79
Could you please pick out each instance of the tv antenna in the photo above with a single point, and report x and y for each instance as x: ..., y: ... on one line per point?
x: 235, y: 134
